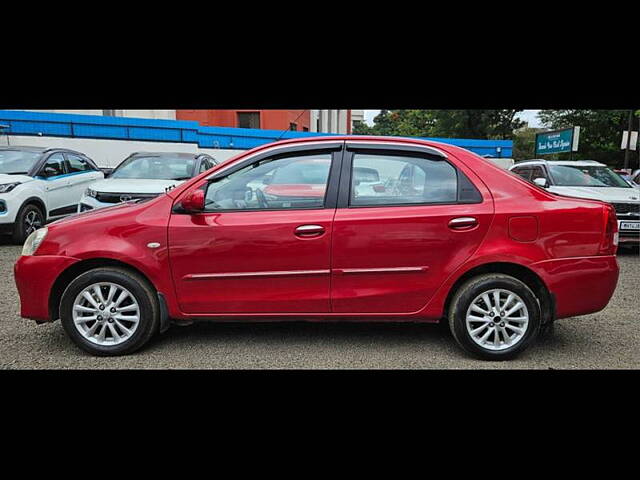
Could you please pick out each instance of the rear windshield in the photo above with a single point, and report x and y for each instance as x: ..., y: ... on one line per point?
x: 581, y: 176
x: 17, y: 161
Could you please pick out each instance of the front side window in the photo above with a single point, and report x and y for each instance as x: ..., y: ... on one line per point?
x: 155, y: 168
x: 77, y: 164
x: 14, y: 162
x: 586, y: 176
x: 401, y: 180
x: 523, y: 172
x: 54, y: 166
x: 293, y: 182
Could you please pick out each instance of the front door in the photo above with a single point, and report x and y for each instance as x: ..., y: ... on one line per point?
x: 405, y: 221
x: 263, y: 243
x: 56, y: 186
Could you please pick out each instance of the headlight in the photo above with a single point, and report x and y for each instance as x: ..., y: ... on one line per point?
x: 34, y: 240
x: 90, y: 193
x: 7, y: 187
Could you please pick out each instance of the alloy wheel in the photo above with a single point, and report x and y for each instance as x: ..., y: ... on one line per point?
x: 106, y: 313
x: 497, y: 319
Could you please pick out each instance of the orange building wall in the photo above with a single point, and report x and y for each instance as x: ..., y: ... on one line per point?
x: 269, y: 119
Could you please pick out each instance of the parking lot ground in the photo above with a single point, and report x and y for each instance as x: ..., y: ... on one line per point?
x: 606, y: 340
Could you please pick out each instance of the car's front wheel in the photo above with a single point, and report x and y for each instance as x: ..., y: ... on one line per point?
x: 109, y: 311
x: 29, y: 219
x: 494, y: 316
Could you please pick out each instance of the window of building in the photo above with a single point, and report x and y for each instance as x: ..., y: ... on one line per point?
x: 249, y: 119
x: 293, y: 127
x: 305, y: 129
x: 109, y: 113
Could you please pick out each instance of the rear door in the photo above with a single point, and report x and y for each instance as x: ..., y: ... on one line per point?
x: 406, y: 219
x: 81, y: 173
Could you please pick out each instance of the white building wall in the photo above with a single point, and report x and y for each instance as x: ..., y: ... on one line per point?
x: 155, y: 114
x: 331, y: 121
x: 109, y: 153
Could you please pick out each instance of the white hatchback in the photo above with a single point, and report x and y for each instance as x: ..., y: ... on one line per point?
x: 588, y: 179
x: 39, y: 184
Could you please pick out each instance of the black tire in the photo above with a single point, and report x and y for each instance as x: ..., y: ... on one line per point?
x: 21, y: 229
x: 469, y: 291
x: 144, y: 294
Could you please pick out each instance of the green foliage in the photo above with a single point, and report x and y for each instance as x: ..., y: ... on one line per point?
x: 600, y: 133
x: 524, y: 143
x: 483, y: 124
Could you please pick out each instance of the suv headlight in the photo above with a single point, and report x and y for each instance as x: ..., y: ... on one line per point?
x: 7, y: 187
x: 90, y: 193
x: 34, y: 240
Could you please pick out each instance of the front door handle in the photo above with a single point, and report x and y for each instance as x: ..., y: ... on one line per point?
x: 461, y: 223
x: 309, y: 230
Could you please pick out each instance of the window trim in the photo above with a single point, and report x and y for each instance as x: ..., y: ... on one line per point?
x: 344, y: 197
x: 331, y: 193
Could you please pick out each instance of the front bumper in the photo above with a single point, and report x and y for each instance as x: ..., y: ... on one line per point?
x: 580, y: 285
x: 90, y: 203
x: 35, y: 276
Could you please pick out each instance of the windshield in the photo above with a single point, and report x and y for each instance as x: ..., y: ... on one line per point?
x: 17, y: 161
x: 155, y: 168
x: 581, y: 176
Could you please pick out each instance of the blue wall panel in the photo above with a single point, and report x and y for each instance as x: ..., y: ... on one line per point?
x: 125, y: 128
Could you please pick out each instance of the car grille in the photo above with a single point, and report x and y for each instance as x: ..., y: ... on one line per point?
x: 627, y: 210
x: 122, y: 197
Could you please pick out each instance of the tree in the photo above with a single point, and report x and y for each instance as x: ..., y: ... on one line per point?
x: 524, y: 143
x: 484, y: 124
x: 600, y: 132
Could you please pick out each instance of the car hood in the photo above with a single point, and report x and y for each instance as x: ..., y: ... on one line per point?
x: 126, y: 185
x: 606, y: 194
x: 4, y: 178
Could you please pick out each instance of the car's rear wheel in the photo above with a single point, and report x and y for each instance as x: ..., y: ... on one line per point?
x: 109, y: 311
x: 28, y: 220
x: 494, y: 316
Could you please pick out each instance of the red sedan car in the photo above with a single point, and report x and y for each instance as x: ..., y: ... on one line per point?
x: 403, y: 230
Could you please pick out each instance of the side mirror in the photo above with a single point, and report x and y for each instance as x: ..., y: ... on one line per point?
x: 194, y: 201
x: 50, y: 172
x: 541, y: 182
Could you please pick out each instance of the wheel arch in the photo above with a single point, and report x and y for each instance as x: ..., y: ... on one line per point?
x: 37, y: 201
x: 520, y: 272
x: 78, y: 268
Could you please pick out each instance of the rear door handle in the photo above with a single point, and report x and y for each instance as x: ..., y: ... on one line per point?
x: 460, y: 223
x: 309, y: 230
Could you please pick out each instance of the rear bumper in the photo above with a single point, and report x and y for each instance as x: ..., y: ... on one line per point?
x: 580, y: 285
x: 34, y: 277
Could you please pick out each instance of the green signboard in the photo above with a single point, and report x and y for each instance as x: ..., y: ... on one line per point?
x: 557, y: 141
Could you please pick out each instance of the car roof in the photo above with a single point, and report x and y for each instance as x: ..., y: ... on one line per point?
x: 576, y: 163
x: 27, y: 148
x: 167, y: 154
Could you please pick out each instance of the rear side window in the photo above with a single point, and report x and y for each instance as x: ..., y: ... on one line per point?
x: 78, y: 164
x: 401, y: 180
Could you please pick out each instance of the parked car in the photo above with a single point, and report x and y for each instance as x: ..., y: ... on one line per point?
x: 144, y: 175
x: 40, y: 184
x: 589, y: 179
x: 465, y: 242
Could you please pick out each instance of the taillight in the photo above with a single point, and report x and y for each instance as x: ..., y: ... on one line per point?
x: 609, y: 244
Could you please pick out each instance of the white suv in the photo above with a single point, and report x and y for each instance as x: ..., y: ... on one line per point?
x: 40, y: 184
x: 588, y: 179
